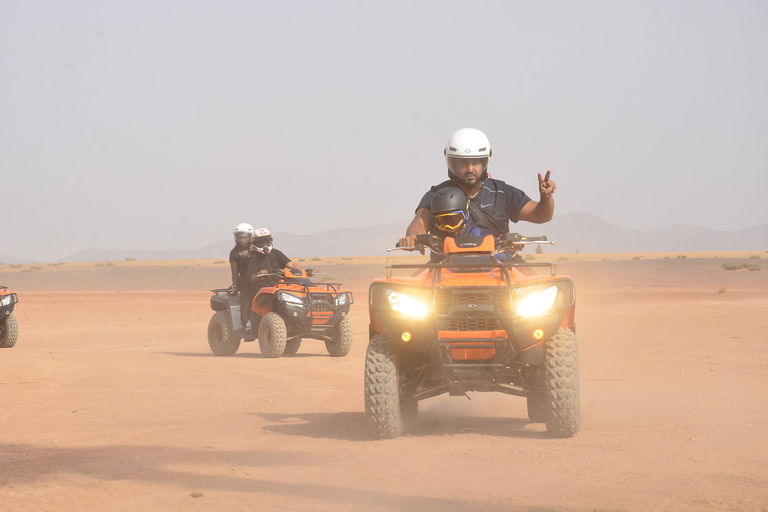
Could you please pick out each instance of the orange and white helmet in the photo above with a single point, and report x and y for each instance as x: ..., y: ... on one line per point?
x: 262, y: 240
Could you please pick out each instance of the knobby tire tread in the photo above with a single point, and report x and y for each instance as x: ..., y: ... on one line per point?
x: 272, y: 335
x: 382, y: 391
x: 341, y: 340
x: 221, y: 336
x: 562, y: 408
x: 10, y: 332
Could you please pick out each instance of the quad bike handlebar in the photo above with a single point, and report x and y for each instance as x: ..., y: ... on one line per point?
x: 512, y: 242
x: 288, y: 273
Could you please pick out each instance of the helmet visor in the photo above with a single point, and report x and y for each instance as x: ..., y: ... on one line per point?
x: 459, y: 165
x: 449, y: 221
x: 262, y: 241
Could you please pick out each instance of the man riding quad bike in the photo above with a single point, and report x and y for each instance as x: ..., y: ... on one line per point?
x: 286, y: 310
x: 472, y: 323
x: 9, y: 328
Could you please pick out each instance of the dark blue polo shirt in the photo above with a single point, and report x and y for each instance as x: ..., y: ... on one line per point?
x: 500, y: 202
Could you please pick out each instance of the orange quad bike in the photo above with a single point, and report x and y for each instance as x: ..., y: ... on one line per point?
x: 472, y: 323
x: 289, y: 308
x: 9, y: 328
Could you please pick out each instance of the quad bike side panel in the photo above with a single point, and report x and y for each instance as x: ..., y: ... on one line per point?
x: 230, y: 304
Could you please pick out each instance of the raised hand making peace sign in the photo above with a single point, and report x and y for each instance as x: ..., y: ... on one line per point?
x: 547, y: 187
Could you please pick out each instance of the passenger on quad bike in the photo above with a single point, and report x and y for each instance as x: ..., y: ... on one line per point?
x: 238, y: 261
x: 263, y: 263
x: 493, y: 203
x: 450, y: 217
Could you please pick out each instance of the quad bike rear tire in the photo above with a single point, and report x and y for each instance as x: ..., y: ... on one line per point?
x: 221, y: 337
x: 292, y: 346
x: 561, y: 405
x: 9, y: 332
x: 272, y: 335
x: 341, y: 338
x: 383, y: 412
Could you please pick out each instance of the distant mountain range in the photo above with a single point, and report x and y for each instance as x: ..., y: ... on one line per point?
x: 572, y: 232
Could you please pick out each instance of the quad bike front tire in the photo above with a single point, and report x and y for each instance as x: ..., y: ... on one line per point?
x: 341, y: 338
x: 272, y: 335
x: 9, y: 332
x: 221, y: 337
x: 292, y: 346
x: 383, y: 412
x: 562, y: 414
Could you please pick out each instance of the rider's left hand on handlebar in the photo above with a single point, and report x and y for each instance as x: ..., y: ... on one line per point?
x: 407, y: 242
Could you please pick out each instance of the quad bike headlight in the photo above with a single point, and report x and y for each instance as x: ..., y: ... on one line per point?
x: 405, y: 304
x: 537, y: 303
x: 291, y: 299
x: 6, y: 301
x: 343, y: 299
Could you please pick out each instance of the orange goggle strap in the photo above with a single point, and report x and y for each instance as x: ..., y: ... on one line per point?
x: 450, y: 221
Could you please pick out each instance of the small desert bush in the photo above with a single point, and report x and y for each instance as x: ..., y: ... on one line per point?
x: 327, y: 278
x: 130, y: 259
x: 754, y: 256
x: 637, y: 258
x: 314, y: 258
x: 721, y: 290
x: 16, y: 265
x: 681, y: 256
x: 564, y: 258
x: 219, y: 262
x: 35, y: 267
x: 739, y: 266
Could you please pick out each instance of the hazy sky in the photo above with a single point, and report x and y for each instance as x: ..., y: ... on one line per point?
x: 163, y: 124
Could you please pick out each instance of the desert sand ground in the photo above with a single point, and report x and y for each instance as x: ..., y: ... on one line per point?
x: 111, y: 400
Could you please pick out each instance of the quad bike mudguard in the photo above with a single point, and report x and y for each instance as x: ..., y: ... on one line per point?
x: 223, y: 301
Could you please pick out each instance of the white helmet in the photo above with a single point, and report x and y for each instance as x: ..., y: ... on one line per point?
x: 468, y: 143
x: 262, y: 240
x: 243, y: 229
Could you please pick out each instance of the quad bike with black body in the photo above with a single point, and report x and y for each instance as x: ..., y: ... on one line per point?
x: 9, y: 327
x: 288, y: 308
x: 472, y: 323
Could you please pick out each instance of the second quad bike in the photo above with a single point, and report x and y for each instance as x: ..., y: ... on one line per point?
x: 286, y: 310
x: 472, y: 323
x: 9, y: 327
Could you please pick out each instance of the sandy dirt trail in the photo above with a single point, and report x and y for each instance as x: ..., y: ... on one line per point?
x: 111, y: 400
